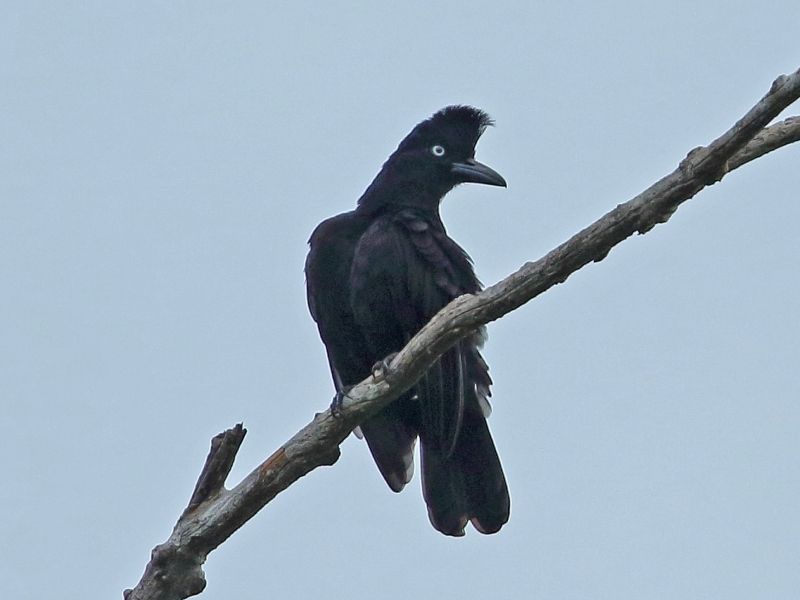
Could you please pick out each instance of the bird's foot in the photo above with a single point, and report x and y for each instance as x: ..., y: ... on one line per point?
x: 382, y: 368
x: 338, y: 401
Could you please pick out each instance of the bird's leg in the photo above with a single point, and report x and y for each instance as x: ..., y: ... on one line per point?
x: 380, y: 371
x: 338, y: 400
x: 382, y: 368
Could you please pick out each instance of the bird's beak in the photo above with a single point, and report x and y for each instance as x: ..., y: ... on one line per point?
x: 471, y: 171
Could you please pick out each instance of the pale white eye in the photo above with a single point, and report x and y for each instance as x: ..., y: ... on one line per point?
x: 437, y: 150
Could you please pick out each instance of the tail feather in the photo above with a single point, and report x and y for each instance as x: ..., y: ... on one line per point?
x: 462, y: 478
x: 485, y: 485
x: 470, y: 485
x: 441, y: 400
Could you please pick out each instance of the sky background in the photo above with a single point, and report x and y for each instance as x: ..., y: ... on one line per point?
x: 161, y: 168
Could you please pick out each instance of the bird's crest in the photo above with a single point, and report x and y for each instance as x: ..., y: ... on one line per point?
x: 464, y: 123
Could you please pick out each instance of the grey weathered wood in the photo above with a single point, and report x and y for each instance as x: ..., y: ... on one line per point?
x: 214, y: 513
x: 768, y: 139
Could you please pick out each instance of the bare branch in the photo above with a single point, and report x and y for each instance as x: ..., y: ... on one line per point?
x: 214, y: 513
x: 224, y: 447
x: 768, y: 139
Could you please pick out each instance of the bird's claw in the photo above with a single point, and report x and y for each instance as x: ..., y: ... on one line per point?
x: 338, y: 401
x: 382, y: 368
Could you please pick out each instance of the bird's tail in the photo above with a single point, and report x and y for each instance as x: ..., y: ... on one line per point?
x: 469, y: 485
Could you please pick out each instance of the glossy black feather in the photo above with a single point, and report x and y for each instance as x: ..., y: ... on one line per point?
x: 375, y: 276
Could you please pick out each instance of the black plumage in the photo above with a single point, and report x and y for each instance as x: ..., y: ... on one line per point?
x: 374, y: 277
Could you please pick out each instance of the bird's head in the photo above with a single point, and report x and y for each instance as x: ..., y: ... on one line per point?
x: 437, y: 155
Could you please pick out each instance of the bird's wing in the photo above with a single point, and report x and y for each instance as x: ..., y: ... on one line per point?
x: 327, y: 272
x: 391, y: 433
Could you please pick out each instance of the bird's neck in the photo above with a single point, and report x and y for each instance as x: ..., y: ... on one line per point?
x: 382, y: 196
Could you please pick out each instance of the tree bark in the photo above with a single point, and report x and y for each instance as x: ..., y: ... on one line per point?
x: 214, y: 513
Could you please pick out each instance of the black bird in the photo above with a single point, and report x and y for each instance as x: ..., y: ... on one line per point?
x: 374, y: 277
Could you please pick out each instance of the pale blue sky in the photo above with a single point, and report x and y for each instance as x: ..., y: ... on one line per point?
x: 161, y: 168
